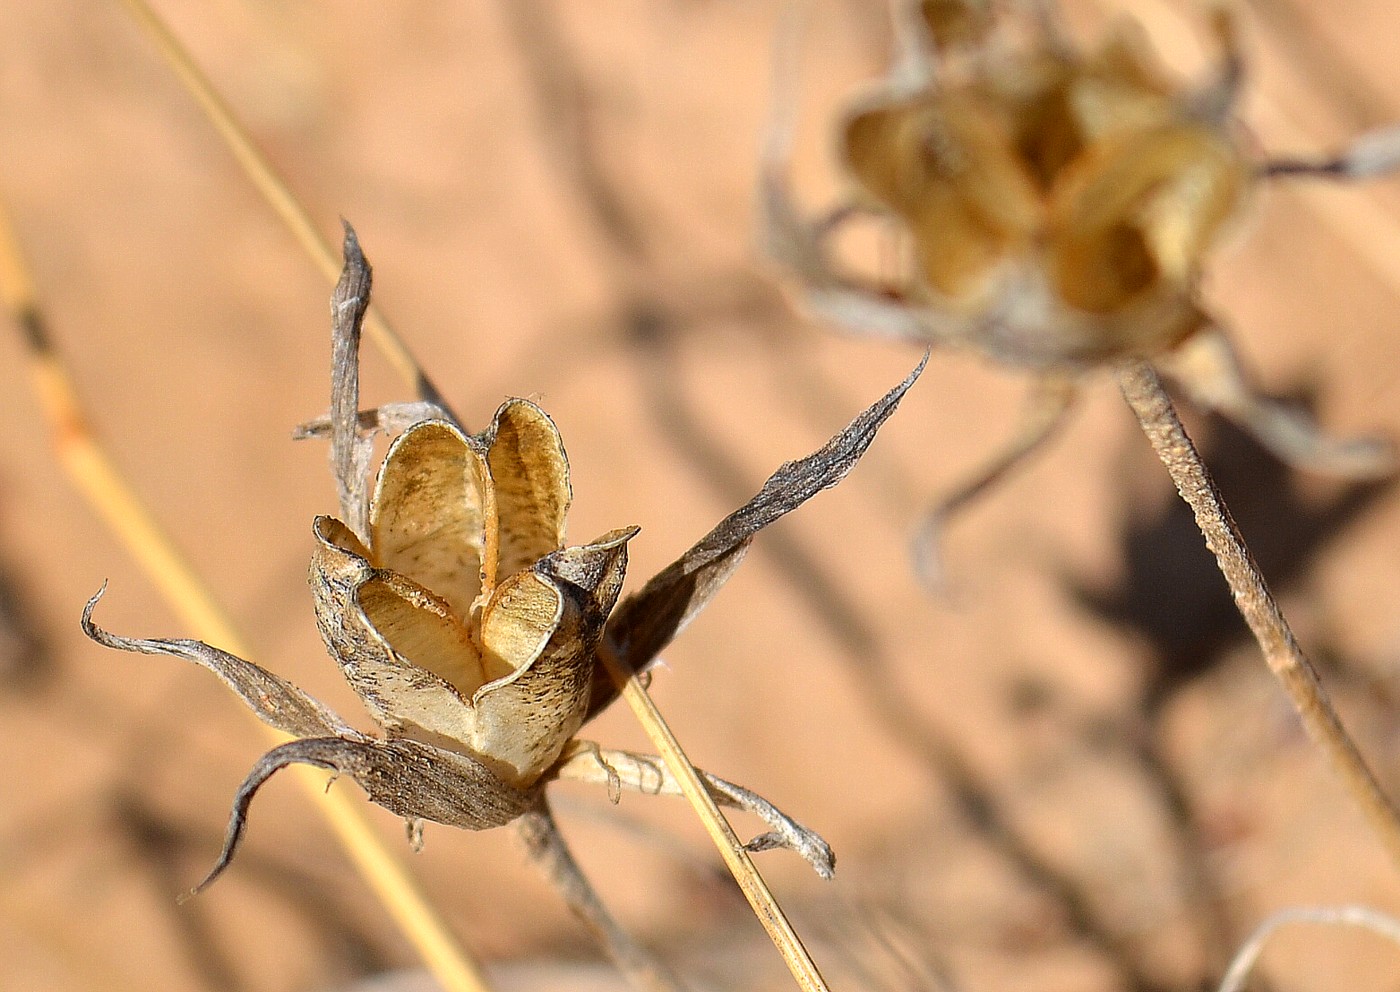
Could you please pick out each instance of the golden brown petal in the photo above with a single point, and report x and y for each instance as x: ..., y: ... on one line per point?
x: 555, y: 613
x: 398, y: 693
x: 531, y: 476
x: 422, y: 630
x: 1139, y: 215
x: 431, y: 514
x: 518, y: 621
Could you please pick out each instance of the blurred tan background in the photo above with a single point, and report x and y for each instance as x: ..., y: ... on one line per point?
x: 1070, y: 772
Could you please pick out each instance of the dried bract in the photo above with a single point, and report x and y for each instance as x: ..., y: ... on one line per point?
x: 465, y: 624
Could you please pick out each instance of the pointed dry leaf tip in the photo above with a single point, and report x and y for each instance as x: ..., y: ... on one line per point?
x: 410, y: 779
x: 463, y: 621
x: 647, y: 621
x: 350, y: 449
x: 276, y: 701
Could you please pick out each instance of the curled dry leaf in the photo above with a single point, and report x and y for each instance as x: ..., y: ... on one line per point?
x: 650, y: 619
x: 464, y: 623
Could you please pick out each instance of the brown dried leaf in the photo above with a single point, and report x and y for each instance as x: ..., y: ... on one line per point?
x: 414, y: 780
x: 276, y: 701
x: 650, y: 619
x: 585, y: 761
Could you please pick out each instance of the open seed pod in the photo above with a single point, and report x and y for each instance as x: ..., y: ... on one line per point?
x: 1070, y: 200
x: 468, y: 628
x: 464, y: 622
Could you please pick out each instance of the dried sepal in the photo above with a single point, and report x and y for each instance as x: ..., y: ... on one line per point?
x: 411, y: 779
x: 276, y: 701
x: 585, y: 761
x: 350, y: 449
x: 648, y: 620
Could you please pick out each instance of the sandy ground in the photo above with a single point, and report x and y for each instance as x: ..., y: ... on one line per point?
x: 1068, y: 772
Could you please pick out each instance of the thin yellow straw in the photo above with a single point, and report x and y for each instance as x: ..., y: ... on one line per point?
x: 271, y: 187
x: 107, y: 491
x: 761, y: 899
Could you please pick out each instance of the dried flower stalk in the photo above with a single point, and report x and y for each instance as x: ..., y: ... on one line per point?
x: 1061, y: 204
x: 1153, y: 407
x: 480, y: 643
x: 284, y: 203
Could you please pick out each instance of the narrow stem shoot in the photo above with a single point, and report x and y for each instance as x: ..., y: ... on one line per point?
x: 550, y: 851
x: 1153, y: 407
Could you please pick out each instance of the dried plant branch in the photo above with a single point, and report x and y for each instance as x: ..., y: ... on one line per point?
x: 585, y: 761
x: 1153, y: 407
x: 549, y: 850
x: 1353, y: 916
x: 274, y: 189
x: 350, y: 449
x: 107, y: 491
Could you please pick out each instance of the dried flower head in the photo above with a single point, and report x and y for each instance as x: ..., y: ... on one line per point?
x: 464, y: 623
x: 1060, y: 205
x: 463, y: 620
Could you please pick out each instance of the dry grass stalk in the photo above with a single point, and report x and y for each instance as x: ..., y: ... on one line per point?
x: 272, y: 189
x: 760, y: 898
x: 1362, y: 917
x: 1153, y: 407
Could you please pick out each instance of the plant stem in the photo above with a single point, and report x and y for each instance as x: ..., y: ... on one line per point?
x: 548, y: 849
x: 1144, y: 392
x: 761, y: 900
